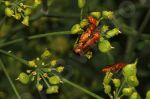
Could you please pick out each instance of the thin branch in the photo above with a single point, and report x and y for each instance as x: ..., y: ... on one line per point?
x: 147, y: 17
x: 9, y: 79
x: 13, y: 56
x: 82, y: 89
x: 34, y: 37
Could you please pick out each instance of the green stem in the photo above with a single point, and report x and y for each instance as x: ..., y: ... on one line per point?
x: 82, y: 89
x: 121, y: 96
x: 145, y: 21
x: 48, y: 34
x: 9, y: 79
x: 35, y: 37
x: 81, y: 14
x: 13, y: 56
x: 119, y: 90
x: 45, y: 80
x: 110, y: 96
x: 116, y: 94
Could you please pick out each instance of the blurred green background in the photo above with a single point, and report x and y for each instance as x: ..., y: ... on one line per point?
x: 133, y: 18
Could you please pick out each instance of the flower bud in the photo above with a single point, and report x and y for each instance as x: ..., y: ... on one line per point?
x: 81, y: 3
x: 37, y: 59
x: 84, y: 23
x: 132, y: 81
x: 54, y: 80
x: 112, y: 33
x: 130, y: 69
x: 21, y: 4
x: 46, y: 54
x: 60, y: 69
x: 148, y: 95
x: 107, y: 89
x: 52, y: 89
x: 17, y: 16
x: 7, y: 3
x: 108, y: 14
x: 104, y: 29
x: 46, y: 69
x: 37, y: 2
x: 97, y: 15
x: 127, y: 91
x: 19, y: 9
x: 101, y: 39
x: 26, y: 21
x: 116, y: 82
x: 76, y: 29
x: 9, y: 12
x: 107, y: 78
x: 27, y: 11
x: 32, y: 63
x: 39, y: 87
x: 23, y: 78
x: 88, y: 55
x: 135, y: 95
x: 53, y: 62
x: 104, y: 46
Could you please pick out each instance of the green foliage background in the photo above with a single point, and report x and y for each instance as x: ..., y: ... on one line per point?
x: 134, y: 42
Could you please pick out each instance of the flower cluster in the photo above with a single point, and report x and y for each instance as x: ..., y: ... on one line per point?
x: 45, y: 71
x: 94, y: 30
x: 19, y: 10
x: 124, y: 86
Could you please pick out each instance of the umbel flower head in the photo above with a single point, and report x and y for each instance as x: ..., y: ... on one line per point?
x: 20, y: 11
x: 126, y: 83
x: 43, y: 69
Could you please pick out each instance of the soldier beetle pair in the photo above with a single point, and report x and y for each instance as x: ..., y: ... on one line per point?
x: 88, y: 38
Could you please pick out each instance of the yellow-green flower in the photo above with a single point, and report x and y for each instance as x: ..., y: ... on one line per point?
x: 60, y: 69
x: 32, y: 63
x: 7, y: 3
x: 46, y: 54
x: 108, y: 14
x: 23, y: 78
x: 104, y: 28
x: 107, y: 78
x: 17, y: 16
x: 76, y: 29
x: 97, y: 15
x: 130, y: 69
x: 26, y: 21
x: 52, y: 89
x: 54, y: 80
x: 112, y: 33
x: 116, y: 82
x: 83, y: 23
x: 107, y: 89
x: 27, y: 11
x: 127, y: 91
x: 104, y: 46
x: 9, y: 12
x: 81, y: 3
x: 39, y: 87
x: 148, y: 95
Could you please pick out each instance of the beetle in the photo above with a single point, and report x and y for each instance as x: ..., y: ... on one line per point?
x: 114, y: 67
